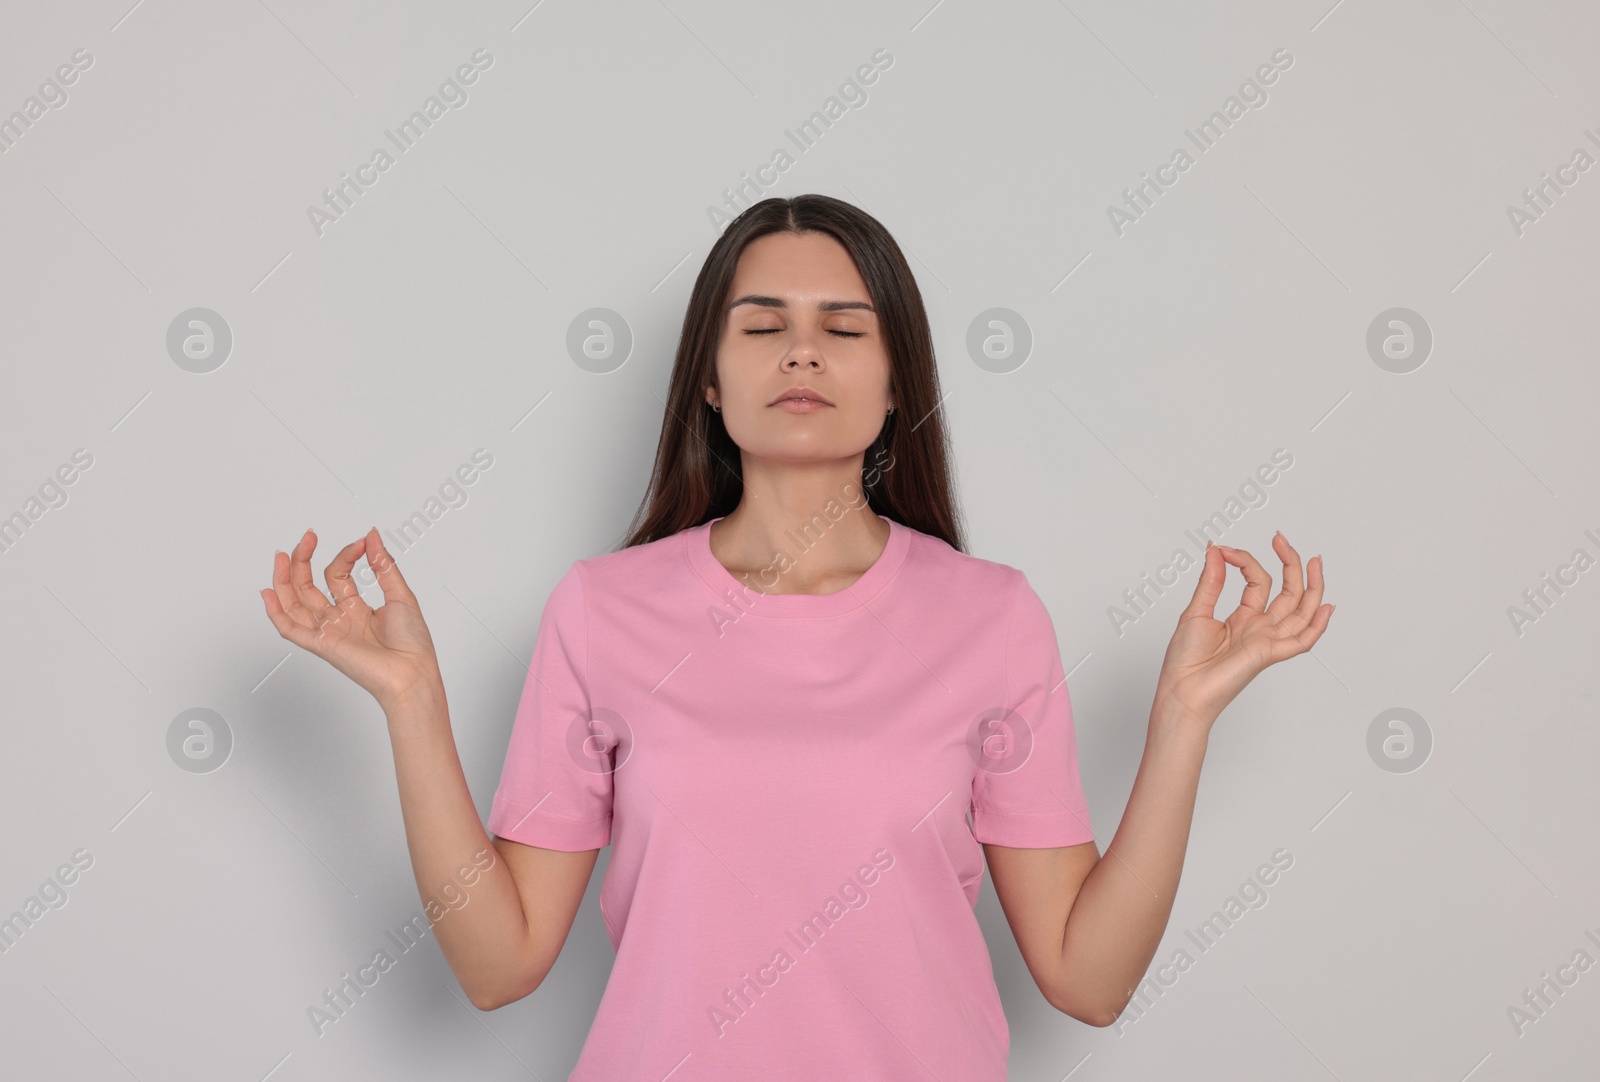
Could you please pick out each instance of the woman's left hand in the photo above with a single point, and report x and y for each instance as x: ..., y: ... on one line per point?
x: 1209, y: 661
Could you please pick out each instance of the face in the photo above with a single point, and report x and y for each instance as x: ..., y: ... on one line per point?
x: 800, y: 315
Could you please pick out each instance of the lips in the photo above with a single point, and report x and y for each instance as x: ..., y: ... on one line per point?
x: 801, y: 392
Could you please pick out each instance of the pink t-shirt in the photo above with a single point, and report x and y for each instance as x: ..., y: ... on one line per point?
x: 785, y: 781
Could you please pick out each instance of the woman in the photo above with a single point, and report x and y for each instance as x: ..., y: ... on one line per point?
x: 778, y: 702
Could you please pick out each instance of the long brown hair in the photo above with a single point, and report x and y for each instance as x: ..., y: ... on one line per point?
x: 906, y: 474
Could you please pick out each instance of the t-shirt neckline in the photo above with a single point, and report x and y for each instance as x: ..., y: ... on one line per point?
x: 721, y: 581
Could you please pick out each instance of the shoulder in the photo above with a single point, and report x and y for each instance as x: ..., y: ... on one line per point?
x: 584, y: 590
x: 958, y: 571
x: 993, y: 598
x: 618, y: 570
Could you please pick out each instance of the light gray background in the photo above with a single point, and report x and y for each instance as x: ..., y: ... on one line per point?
x: 1168, y: 364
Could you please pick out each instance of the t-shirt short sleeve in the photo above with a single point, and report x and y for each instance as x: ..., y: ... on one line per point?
x: 555, y: 792
x: 1026, y: 791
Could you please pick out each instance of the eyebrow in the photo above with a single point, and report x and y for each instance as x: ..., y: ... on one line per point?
x: 778, y: 302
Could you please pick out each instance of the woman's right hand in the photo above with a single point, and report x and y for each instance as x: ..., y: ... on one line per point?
x: 387, y: 651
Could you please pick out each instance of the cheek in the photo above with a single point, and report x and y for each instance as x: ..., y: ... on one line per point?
x: 739, y: 351
x: 736, y: 377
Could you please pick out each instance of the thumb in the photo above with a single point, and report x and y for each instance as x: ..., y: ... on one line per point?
x: 390, y: 580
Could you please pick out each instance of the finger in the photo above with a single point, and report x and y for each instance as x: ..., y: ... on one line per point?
x: 1257, y: 583
x: 388, y: 572
x: 1288, y: 646
x: 337, y: 573
x: 288, y: 597
x: 291, y: 629
x: 300, y: 574
x: 1296, y: 622
x: 1312, y: 599
x: 1209, y: 588
x: 1288, y: 598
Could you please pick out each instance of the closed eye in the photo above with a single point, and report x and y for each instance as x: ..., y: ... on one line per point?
x: 841, y: 334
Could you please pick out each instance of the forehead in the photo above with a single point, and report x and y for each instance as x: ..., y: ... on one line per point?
x: 800, y: 269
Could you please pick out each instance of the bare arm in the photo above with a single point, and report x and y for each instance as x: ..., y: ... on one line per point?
x: 1088, y: 927
x: 504, y: 938
x: 519, y: 901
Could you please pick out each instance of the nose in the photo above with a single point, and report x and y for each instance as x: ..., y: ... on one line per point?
x: 803, y: 351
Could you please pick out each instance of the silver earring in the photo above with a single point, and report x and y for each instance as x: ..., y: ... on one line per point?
x: 891, y: 409
x: 716, y: 407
